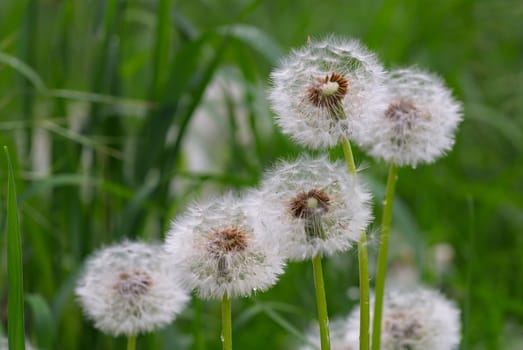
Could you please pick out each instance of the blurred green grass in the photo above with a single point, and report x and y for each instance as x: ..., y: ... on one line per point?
x: 15, y: 288
x: 104, y: 106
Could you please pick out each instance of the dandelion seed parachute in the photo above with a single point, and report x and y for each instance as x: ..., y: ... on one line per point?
x: 325, y: 90
x: 419, y: 123
x: 130, y: 288
x: 311, y: 206
x: 218, y: 250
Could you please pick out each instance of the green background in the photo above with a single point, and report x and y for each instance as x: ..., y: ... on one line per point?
x: 97, y: 100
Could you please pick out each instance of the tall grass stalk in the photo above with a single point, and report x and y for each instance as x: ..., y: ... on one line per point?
x: 161, y: 47
x: 382, y: 257
x: 363, y: 262
x: 15, y: 288
x: 28, y: 52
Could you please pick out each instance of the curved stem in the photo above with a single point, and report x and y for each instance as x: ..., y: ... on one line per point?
x: 382, y: 257
x: 363, y: 262
x: 321, y: 302
x: 131, y: 342
x: 226, y: 323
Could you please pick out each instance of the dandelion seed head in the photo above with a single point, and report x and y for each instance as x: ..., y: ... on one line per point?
x: 130, y: 288
x: 218, y: 251
x: 133, y: 284
x: 419, y: 319
x: 419, y: 123
x: 311, y: 206
x: 325, y: 90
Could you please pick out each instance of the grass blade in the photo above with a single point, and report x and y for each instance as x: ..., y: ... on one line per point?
x: 161, y: 49
x: 276, y: 317
x: 255, y: 38
x: 15, y: 292
x: 25, y: 70
x: 43, y: 320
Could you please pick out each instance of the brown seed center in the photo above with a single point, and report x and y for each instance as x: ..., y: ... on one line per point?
x: 402, y: 109
x: 227, y: 240
x: 328, y: 92
x: 310, y: 204
x: 402, y: 326
x: 222, y: 242
x: 135, y: 283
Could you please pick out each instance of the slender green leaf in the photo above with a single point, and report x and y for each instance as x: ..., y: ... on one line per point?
x: 499, y: 122
x: 248, y: 314
x: 161, y: 47
x: 77, y: 95
x: 43, y: 320
x: 15, y: 290
x: 276, y: 317
x: 86, y: 141
x: 24, y: 70
x: 255, y: 38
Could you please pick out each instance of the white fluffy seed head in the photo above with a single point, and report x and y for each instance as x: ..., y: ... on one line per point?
x: 419, y: 123
x: 130, y: 288
x: 325, y: 90
x: 311, y: 206
x: 420, y: 319
x: 218, y: 251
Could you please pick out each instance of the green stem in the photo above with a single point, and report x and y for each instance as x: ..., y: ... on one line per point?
x: 321, y: 302
x: 226, y: 323
x: 131, y: 342
x: 382, y: 257
x: 363, y: 262
x: 349, y: 158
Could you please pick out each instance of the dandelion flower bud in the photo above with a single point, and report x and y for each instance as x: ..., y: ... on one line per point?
x: 216, y: 248
x: 129, y: 289
x: 419, y: 123
x: 312, y: 206
x: 421, y: 319
x: 323, y: 91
